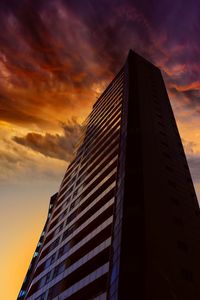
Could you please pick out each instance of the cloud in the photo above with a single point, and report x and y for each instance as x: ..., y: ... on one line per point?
x: 190, y: 147
x: 194, y: 163
x: 21, y: 165
x: 192, y: 151
x: 45, y: 75
x: 50, y: 145
x: 56, y: 57
x: 54, y: 52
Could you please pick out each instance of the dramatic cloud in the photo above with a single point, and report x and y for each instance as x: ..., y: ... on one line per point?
x: 194, y: 163
x: 55, y: 55
x: 55, y: 146
x: 21, y: 166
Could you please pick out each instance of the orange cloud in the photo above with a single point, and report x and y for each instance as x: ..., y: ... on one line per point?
x: 55, y: 146
x: 191, y: 86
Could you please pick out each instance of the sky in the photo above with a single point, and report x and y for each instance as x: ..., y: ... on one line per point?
x: 56, y: 57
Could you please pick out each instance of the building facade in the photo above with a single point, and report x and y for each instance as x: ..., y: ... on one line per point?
x: 125, y: 223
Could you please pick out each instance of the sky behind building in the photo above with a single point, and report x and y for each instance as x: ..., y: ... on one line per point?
x: 56, y: 57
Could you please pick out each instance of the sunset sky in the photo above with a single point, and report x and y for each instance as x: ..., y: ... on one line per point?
x: 56, y: 57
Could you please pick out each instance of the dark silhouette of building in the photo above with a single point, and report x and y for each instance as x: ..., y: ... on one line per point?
x: 125, y: 223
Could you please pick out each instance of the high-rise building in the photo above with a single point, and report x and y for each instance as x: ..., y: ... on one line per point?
x: 125, y: 223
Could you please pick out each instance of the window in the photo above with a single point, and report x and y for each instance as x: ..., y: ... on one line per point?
x: 45, y: 280
x: 68, y: 192
x: 53, y: 245
x: 67, y: 200
x: 39, y: 244
x: 72, y: 216
x: 63, y: 250
x: 41, y: 297
x: 35, y: 254
x: 79, y: 189
x: 48, y: 277
x: 50, y: 260
x: 68, y: 232
x: 75, y: 193
x: 22, y: 293
x: 59, y: 269
x: 42, y: 281
x: 62, y: 215
x: 78, y: 181
x: 74, y: 203
x: 58, y: 229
